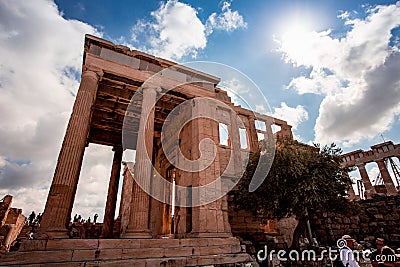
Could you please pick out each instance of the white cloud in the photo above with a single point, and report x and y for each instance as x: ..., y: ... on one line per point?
x: 344, y: 14
x: 357, y: 74
x: 293, y: 116
x: 176, y: 31
x: 236, y: 89
x: 40, y: 58
x: 228, y: 20
x: 180, y: 31
x: 3, y: 162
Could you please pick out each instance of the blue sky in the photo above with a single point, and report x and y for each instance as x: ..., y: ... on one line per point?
x: 330, y: 68
x: 250, y: 48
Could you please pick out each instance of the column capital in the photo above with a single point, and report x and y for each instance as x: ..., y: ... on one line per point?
x: 95, y: 72
x: 360, y: 165
x: 151, y: 87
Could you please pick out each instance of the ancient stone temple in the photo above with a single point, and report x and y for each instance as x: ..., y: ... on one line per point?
x: 124, y: 101
x: 382, y: 155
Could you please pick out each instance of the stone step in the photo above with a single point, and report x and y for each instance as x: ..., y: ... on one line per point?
x: 108, y: 251
x: 73, y: 255
x: 61, y: 244
x: 162, y: 262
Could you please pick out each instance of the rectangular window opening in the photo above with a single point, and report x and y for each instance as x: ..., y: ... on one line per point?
x: 223, y: 134
x: 243, y: 138
x: 275, y: 128
x: 260, y: 136
x: 260, y: 125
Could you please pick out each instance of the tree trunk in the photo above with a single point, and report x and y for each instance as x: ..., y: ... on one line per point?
x: 298, y: 232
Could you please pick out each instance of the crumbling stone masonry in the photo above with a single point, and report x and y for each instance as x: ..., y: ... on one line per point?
x: 380, y: 218
x: 11, y: 223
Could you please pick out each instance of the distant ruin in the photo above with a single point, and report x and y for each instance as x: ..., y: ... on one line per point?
x: 381, y: 154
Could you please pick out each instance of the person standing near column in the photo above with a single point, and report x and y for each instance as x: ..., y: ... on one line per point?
x: 375, y: 256
x: 346, y: 253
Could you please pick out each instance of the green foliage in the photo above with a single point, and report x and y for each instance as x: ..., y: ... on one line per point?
x: 302, y: 179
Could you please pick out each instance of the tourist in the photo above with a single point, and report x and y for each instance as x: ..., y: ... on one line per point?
x: 74, y: 232
x: 82, y: 231
x: 346, y: 253
x: 387, y: 257
x: 95, y: 218
x: 39, y: 218
x: 375, y: 256
x: 31, y: 218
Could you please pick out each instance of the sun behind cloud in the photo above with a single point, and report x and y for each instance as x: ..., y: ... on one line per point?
x: 356, y: 74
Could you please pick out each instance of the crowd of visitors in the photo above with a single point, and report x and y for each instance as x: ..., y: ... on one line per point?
x: 381, y: 256
x: 81, y: 228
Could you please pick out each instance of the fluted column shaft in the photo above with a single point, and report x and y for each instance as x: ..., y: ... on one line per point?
x: 109, y: 214
x: 140, y: 204
x: 369, y: 189
x: 391, y: 190
x: 57, y: 213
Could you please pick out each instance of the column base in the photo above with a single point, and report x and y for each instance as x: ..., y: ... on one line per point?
x: 390, y: 189
x: 138, y: 234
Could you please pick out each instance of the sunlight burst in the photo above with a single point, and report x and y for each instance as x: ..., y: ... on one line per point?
x: 296, y: 40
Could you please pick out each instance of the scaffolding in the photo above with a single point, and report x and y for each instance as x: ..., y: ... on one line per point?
x: 396, y: 172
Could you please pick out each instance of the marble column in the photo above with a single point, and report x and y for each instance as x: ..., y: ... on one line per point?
x: 390, y: 189
x: 109, y: 214
x: 57, y: 213
x: 138, y: 226
x: 369, y: 189
x: 126, y: 196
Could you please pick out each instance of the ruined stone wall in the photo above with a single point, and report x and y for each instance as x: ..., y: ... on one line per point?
x: 246, y: 225
x: 380, y: 218
x: 11, y: 223
x: 255, y: 228
x: 5, y: 205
